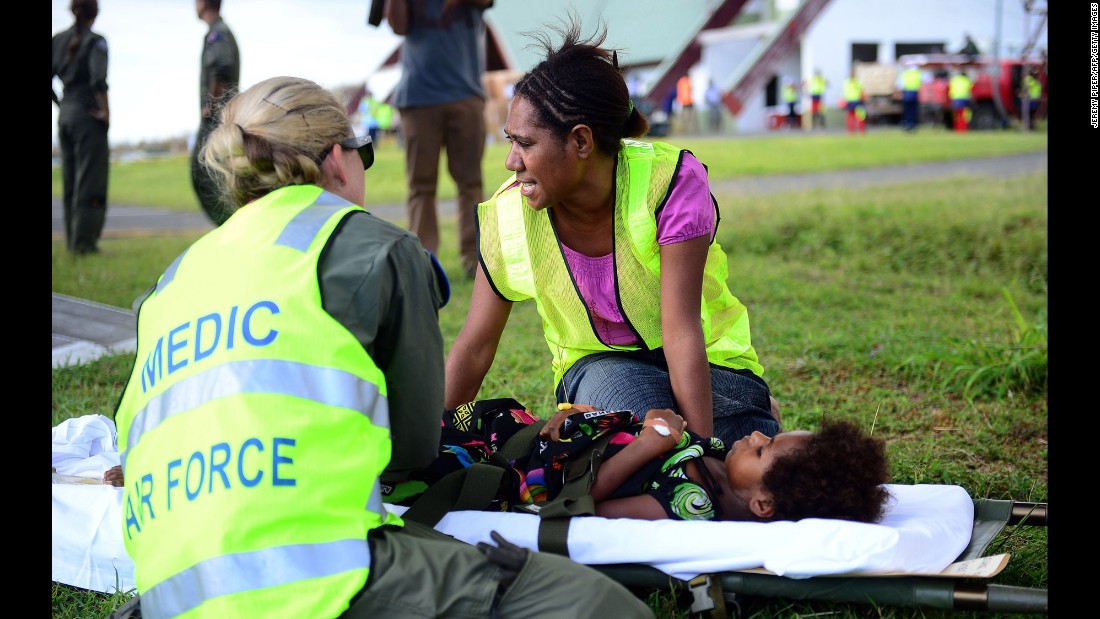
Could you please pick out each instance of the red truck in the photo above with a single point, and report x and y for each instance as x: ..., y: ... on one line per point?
x: 994, y: 97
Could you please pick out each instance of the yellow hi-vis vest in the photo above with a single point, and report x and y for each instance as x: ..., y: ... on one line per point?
x: 254, y: 426
x: 959, y: 87
x: 523, y: 260
x: 911, y: 79
x: 853, y: 91
x: 817, y: 85
x: 790, y: 95
x: 1034, y: 87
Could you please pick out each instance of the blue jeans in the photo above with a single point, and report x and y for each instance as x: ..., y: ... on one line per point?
x: 639, y: 381
x: 910, y: 107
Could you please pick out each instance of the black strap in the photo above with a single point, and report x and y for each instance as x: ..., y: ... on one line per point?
x: 520, y: 443
x: 573, y: 500
x: 476, y: 486
x: 473, y: 487
x: 554, y: 535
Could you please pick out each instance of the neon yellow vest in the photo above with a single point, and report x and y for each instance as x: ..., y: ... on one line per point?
x: 817, y: 85
x: 1034, y: 87
x: 959, y: 87
x: 911, y: 79
x: 852, y: 90
x: 254, y: 426
x: 789, y: 93
x: 384, y: 114
x: 524, y: 261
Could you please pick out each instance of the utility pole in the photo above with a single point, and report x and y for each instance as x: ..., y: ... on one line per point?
x: 997, y: 61
x: 1025, y: 92
x: 1025, y: 55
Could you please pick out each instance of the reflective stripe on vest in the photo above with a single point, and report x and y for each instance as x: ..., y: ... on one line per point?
x: 254, y: 426
x: 514, y: 238
x: 273, y: 376
x: 245, y: 572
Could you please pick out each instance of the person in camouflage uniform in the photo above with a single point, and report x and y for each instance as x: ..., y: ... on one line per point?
x: 80, y: 62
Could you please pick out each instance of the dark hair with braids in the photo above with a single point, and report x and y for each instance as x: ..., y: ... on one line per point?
x: 580, y: 83
x: 838, y: 472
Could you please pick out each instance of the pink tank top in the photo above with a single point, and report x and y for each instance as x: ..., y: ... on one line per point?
x: 688, y: 214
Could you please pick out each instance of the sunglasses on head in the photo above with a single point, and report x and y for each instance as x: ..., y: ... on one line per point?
x: 360, y: 143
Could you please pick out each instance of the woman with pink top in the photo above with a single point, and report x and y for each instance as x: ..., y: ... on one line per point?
x: 614, y: 240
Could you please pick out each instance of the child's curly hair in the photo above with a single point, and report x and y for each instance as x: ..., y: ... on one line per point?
x: 838, y: 472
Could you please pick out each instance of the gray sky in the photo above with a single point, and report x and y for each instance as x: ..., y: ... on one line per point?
x: 154, y: 49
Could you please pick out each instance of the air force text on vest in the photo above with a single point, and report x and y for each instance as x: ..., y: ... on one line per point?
x: 196, y: 340
x: 209, y: 473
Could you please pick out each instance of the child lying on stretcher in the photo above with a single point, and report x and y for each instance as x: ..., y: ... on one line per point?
x: 659, y: 469
x: 656, y: 468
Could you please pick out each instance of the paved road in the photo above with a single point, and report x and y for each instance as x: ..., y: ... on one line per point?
x: 123, y: 220
x: 999, y: 167
x: 84, y: 330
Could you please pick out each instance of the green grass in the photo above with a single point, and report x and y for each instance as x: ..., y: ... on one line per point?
x: 863, y: 303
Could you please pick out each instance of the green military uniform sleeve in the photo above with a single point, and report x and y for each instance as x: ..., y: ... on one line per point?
x: 379, y: 282
x: 97, y: 65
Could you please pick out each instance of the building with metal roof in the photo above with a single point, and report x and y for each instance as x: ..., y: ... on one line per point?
x: 748, y: 47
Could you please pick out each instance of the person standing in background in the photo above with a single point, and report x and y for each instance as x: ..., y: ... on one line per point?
x: 441, y: 99
x: 1032, y: 92
x: 910, y: 82
x: 853, y: 103
x: 368, y: 117
x: 817, y: 91
x: 80, y: 62
x: 970, y: 48
x: 219, y: 76
x: 959, y: 93
x: 790, y: 99
x: 714, y: 107
x: 685, y: 97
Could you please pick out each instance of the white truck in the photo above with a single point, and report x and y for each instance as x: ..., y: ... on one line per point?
x: 879, y: 91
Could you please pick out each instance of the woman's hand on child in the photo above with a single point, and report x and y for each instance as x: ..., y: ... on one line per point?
x: 552, y: 429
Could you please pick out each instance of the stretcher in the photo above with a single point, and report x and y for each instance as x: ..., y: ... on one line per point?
x: 929, y: 551
x: 961, y: 586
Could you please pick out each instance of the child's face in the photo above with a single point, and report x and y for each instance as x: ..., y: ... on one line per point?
x: 751, y: 456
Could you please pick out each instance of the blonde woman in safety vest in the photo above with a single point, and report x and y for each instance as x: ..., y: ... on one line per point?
x: 614, y: 240
x: 289, y: 366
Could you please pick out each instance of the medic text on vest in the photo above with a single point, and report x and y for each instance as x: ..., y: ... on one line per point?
x: 174, y: 350
x: 224, y: 468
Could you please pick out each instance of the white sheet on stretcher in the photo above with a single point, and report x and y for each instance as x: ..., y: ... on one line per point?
x: 926, y: 528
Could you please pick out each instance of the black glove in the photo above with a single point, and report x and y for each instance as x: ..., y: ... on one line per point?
x: 505, y: 554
